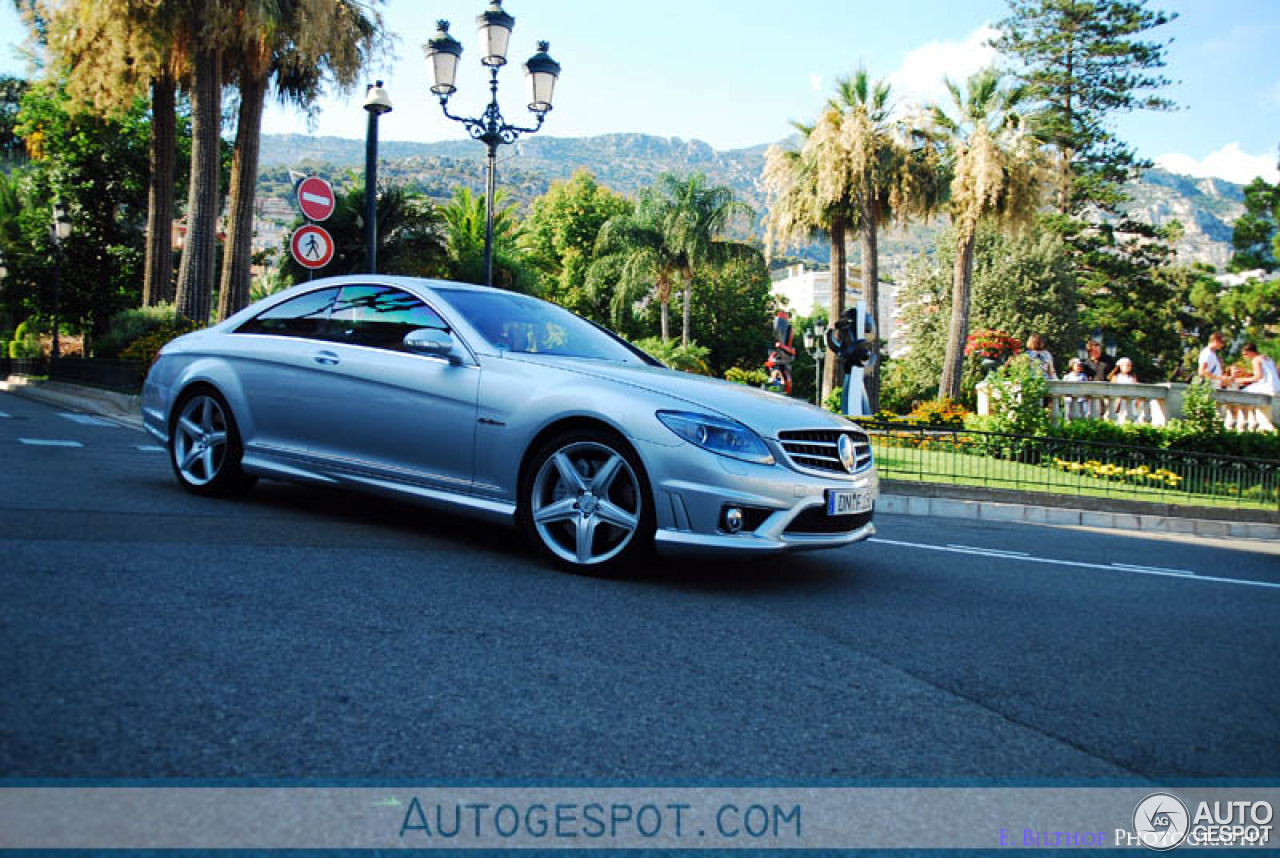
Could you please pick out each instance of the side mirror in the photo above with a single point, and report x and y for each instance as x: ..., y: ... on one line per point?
x: 432, y: 342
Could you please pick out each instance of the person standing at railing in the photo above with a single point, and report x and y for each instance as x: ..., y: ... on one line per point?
x: 1076, y: 406
x: 1099, y: 366
x: 1123, y: 373
x: 1041, y: 356
x: 1264, y: 378
x: 1209, y: 364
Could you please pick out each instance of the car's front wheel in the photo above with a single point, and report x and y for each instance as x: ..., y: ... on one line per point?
x: 586, y: 504
x: 205, y: 447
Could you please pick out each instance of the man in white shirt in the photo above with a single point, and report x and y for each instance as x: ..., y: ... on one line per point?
x: 1210, y: 367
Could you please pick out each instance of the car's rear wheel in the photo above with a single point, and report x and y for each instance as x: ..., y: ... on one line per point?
x: 585, y: 503
x: 205, y: 447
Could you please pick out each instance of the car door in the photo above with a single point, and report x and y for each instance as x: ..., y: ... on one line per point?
x: 373, y: 408
x: 272, y: 354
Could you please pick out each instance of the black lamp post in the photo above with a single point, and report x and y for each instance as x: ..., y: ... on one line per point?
x: 815, y: 344
x: 377, y: 102
x: 59, y: 231
x: 541, y: 72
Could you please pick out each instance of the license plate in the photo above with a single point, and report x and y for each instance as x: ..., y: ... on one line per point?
x: 847, y: 502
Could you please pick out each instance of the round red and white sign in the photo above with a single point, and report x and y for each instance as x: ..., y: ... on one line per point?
x: 315, y: 198
x: 312, y: 246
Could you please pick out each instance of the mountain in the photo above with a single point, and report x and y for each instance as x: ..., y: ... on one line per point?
x: 1206, y: 208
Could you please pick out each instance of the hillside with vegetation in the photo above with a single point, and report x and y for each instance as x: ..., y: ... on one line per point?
x: 628, y: 163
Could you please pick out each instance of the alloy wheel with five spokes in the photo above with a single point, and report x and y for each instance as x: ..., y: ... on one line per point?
x: 586, y: 504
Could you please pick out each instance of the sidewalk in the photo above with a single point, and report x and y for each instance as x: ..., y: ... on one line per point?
x: 897, y: 498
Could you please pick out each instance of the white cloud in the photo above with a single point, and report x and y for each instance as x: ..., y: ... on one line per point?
x: 1230, y: 162
x: 815, y: 82
x: 919, y: 78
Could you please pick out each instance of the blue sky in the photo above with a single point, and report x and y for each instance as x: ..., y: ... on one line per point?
x: 734, y: 73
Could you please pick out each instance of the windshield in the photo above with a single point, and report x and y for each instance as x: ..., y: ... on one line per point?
x: 518, y: 323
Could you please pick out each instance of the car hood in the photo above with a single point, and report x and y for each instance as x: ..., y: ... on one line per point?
x: 764, y: 412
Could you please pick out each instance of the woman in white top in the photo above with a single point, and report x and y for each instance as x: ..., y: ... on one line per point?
x: 1123, y: 373
x: 1037, y: 352
x: 1264, y: 378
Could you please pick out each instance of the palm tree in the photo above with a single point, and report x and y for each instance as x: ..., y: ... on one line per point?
x: 884, y: 174
x: 675, y: 229
x: 997, y: 172
x: 297, y: 42
x: 464, y: 227
x: 635, y: 260
x: 804, y: 203
x: 694, y: 217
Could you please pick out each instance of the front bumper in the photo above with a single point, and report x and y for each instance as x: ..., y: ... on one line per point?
x: 691, y: 488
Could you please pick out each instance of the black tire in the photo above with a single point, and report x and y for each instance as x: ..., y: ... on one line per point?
x: 604, y: 504
x: 205, y: 448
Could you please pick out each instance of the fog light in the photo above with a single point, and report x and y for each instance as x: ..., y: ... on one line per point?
x: 733, y: 519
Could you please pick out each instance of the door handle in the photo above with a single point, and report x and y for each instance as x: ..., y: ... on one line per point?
x: 327, y: 358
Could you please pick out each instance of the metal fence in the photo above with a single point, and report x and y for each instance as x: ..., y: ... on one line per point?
x: 1069, y: 467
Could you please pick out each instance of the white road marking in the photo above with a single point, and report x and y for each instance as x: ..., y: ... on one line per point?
x: 999, y: 551
x: 86, y: 420
x: 46, y: 442
x: 148, y: 448
x: 1136, y: 570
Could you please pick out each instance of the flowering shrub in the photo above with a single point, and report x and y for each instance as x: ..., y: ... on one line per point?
x: 991, y: 345
x: 1141, y: 475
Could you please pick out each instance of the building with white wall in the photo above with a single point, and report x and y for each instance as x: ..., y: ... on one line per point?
x: 803, y: 290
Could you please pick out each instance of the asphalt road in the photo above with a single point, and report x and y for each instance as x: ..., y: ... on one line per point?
x: 300, y: 633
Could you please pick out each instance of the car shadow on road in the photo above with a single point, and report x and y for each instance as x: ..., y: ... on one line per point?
x: 741, y: 576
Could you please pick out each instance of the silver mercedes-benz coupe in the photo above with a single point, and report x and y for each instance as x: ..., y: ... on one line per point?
x: 500, y: 405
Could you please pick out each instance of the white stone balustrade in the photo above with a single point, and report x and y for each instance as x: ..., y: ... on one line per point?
x: 1154, y: 404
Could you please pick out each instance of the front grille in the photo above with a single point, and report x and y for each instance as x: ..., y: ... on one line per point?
x: 816, y: 449
x: 815, y: 520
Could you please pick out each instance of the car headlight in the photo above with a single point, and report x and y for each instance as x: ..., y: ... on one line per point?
x: 719, y: 435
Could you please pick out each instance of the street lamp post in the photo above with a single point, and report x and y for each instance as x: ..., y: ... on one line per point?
x: 59, y: 231
x: 541, y: 72
x: 816, y: 345
x: 377, y: 102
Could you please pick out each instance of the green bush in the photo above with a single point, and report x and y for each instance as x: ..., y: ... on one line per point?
x: 1017, y: 394
x: 690, y: 358
x: 832, y: 402
x: 749, y: 377
x: 1199, y: 411
x: 26, y: 341
x: 146, y: 347
x: 128, y: 326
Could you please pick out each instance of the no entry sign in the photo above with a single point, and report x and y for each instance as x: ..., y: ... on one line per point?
x: 315, y: 198
x: 312, y: 246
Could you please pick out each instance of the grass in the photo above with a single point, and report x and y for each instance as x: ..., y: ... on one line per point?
x: 968, y: 469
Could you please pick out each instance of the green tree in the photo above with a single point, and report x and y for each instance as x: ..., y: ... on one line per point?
x: 111, y: 52
x: 464, y: 223
x: 97, y: 167
x: 996, y: 175
x: 560, y: 240
x: 1087, y: 60
x: 11, y: 91
x: 732, y: 310
x: 694, y: 216
x: 410, y: 236
x: 1022, y: 284
x: 1253, y: 236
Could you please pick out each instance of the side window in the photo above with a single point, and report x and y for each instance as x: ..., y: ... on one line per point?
x: 304, y: 316
x: 378, y: 316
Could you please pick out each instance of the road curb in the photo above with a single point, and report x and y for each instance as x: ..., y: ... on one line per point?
x: 978, y: 510
x: 123, y: 408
